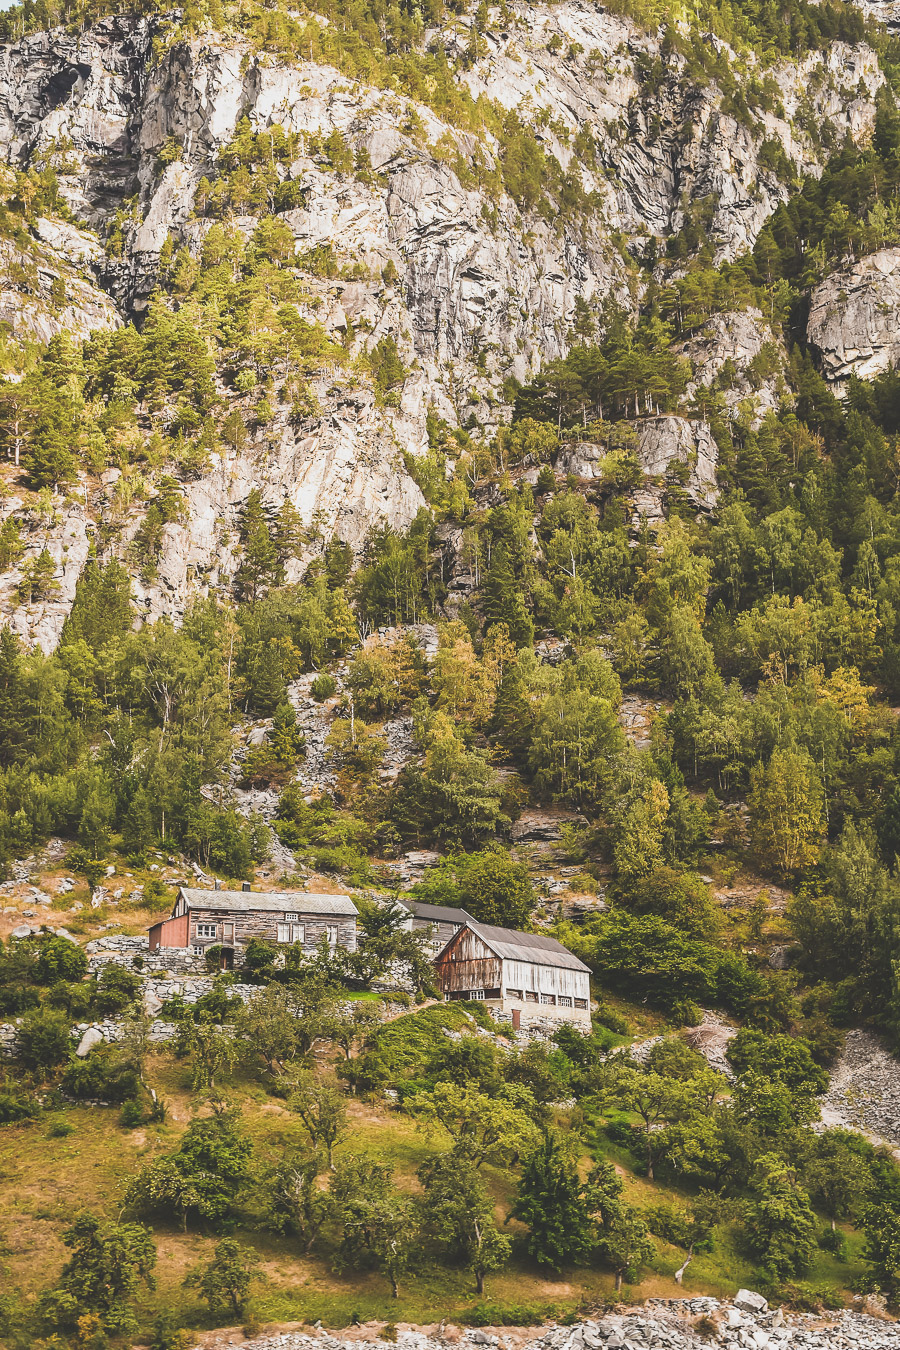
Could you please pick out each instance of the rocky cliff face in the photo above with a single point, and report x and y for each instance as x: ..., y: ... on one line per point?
x: 670, y: 450
x: 743, y: 343
x: 854, y: 315
x: 663, y: 141
x: 484, y: 290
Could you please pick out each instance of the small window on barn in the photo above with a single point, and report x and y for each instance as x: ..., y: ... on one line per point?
x: 581, y: 1003
x: 514, y: 993
x: 207, y: 930
x: 282, y: 932
x: 332, y: 932
x: 564, y: 1001
x: 530, y: 997
x: 198, y: 951
x: 292, y: 914
x: 548, y: 998
x: 477, y: 995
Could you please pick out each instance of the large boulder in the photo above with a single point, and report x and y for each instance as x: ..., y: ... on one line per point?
x: 93, y: 1036
x: 854, y: 317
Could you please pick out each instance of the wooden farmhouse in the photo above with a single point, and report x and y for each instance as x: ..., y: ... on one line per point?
x: 229, y: 919
x: 528, y: 976
x: 438, y: 922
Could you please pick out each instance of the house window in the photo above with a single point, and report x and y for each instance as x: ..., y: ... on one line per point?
x: 292, y: 914
x: 332, y: 932
x: 228, y: 932
x: 198, y: 951
x: 282, y: 932
x: 564, y: 1001
x: 548, y: 998
x: 581, y: 1003
x: 207, y: 930
x: 298, y: 932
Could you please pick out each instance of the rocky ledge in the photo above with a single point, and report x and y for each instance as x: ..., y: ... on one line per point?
x: 688, y: 1324
x: 853, y: 318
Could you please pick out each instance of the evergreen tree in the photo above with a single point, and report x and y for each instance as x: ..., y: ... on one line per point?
x: 551, y: 1202
x: 12, y: 723
x: 503, y: 600
x: 260, y: 565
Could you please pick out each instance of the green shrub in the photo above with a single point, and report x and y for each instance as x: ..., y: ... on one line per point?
x: 57, y: 958
x: 16, y: 999
x: 102, y: 1075
x: 74, y: 999
x: 833, y: 1240
x: 15, y: 1107
x: 515, y: 1314
x: 59, y: 1128
x: 117, y: 988
x: 259, y: 959
x: 43, y: 1040
x: 132, y: 1114
x: 323, y: 687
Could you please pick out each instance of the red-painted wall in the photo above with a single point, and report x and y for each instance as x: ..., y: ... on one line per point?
x: 170, y: 933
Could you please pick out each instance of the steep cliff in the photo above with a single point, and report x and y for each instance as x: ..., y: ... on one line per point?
x: 405, y: 227
x: 853, y: 317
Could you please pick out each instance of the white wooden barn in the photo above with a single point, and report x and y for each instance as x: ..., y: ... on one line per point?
x: 524, y: 974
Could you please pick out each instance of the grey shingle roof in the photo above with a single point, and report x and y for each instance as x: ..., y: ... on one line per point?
x: 514, y: 946
x: 437, y: 913
x: 298, y: 902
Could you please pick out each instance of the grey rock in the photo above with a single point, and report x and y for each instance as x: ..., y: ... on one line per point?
x: 93, y: 1036
x: 749, y: 1301
x: 854, y: 317
x: 864, y: 1090
x: 667, y: 447
x: 543, y: 825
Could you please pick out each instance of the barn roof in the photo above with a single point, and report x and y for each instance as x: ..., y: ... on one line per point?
x: 298, y: 902
x: 437, y: 913
x: 511, y: 945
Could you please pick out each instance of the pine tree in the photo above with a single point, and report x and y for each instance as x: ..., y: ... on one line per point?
x: 290, y: 534
x: 513, y: 717
x: 260, y: 566
x: 138, y: 826
x: 343, y: 632
x: 12, y: 729
x: 552, y: 1204
x: 503, y: 600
